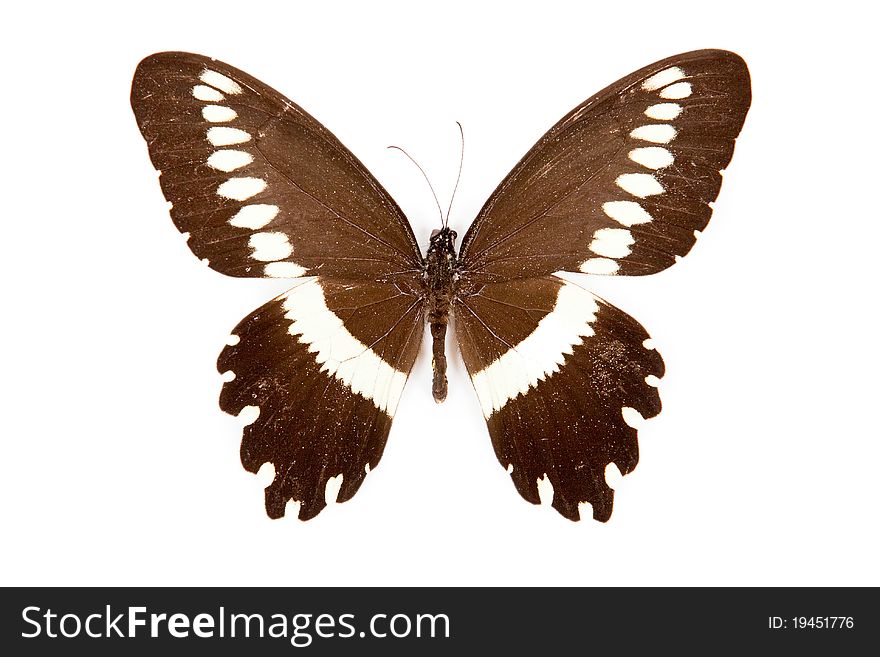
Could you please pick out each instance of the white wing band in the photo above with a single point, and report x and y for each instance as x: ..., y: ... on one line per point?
x: 339, y: 353
x: 541, y: 353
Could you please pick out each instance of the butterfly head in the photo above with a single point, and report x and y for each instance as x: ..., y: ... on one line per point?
x: 443, y: 239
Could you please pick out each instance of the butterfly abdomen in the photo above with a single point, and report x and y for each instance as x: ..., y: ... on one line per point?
x: 440, y: 286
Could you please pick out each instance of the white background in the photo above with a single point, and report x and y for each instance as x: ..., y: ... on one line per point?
x: 118, y: 466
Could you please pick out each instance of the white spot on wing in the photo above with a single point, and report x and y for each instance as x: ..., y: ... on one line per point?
x: 266, y: 475
x: 632, y: 417
x: 652, y: 157
x: 652, y: 381
x: 233, y: 340
x: 248, y: 415
x: 663, y: 111
x: 613, y: 477
x: 292, y: 508
x: 223, y: 136
x: 541, y: 353
x: 218, y: 113
x: 627, y: 213
x: 340, y: 354
x: 612, y: 242
x: 220, y: 81
x: 677, y: 91
x: 664, y: 77
x: 599, y: 266
x: 639, y: 184
x: 241, y: 189
x: 207, y: 94
x: 227, y: 376
x: 659, y: 133
x: 269, y: 246
x: 254, y: 216
x: 331, y: 490
x: 284, y: 270
x: 229, y: 160
x: 545, y: 490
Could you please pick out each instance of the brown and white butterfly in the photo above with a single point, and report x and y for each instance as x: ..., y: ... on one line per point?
x: 618, y: 187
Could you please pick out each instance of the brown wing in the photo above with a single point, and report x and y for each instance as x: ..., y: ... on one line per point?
x: 558, y: 373
x: 324, y: 365
x: 261, y: 187
x: 620, y: 184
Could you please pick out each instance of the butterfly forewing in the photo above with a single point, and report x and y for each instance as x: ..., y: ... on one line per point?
x: 260, y: 186
x: 621, y: 183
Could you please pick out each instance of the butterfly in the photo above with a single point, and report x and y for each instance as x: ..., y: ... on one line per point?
x: 619, y: 186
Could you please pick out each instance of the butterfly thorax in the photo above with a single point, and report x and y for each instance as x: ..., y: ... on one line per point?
x: 439, y: 279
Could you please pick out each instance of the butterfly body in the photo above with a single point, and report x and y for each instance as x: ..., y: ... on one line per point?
x: 621, y: 185
x: 440, y: 280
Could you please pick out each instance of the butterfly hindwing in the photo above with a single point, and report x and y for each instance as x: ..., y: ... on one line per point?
x: 559, y: 372
x: 324, y: 365
x: 621, y: 183
x: 260, y: 186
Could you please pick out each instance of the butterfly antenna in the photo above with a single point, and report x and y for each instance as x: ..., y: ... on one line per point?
x: 458, y: 177
x: 436, y: 200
